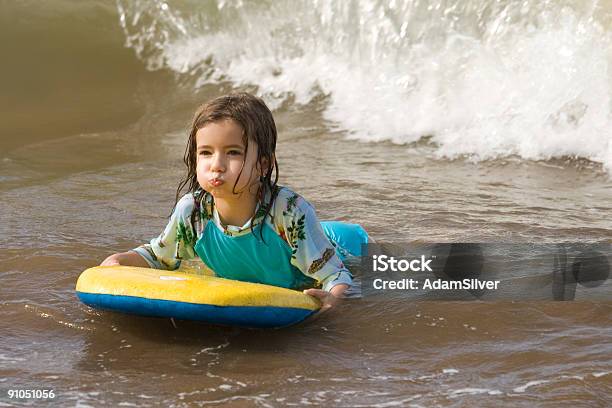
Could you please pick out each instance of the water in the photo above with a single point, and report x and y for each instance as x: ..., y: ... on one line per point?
x: 483, y: 79
x: 422, y: 121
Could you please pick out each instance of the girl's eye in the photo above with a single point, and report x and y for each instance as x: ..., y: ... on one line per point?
x: 204, y: 153
x: 234, y: 152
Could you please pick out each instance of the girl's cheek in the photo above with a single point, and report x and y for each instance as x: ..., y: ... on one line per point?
x: 201, y: 164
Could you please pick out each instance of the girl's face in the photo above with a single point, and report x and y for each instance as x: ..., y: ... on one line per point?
x: 220, y: 154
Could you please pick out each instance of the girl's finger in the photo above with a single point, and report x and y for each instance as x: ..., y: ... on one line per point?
x: 111, y: 262
x: 316, y: 293
x: 319, y: 312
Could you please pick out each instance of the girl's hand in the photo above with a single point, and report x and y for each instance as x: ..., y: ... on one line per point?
x: 328, y: 299
x: 113, y: 260
x: 125, y: 258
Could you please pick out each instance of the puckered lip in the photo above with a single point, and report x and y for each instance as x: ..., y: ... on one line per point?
x: 216, y: 181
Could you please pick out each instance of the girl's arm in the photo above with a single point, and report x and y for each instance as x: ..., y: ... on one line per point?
x: 167, y: 250
x: 126, y: 259
x: 312, y: 252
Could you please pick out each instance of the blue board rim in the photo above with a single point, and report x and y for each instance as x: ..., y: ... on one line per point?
x: 242, y: 316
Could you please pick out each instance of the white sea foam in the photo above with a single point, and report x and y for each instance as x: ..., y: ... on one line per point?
x: 523, y: 388
x: 474, y: 391
x: 483, y: 79
x: 11, y: 359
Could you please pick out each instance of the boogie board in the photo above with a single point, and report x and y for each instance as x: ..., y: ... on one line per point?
x: 190, y: 296
x: 185, y: 296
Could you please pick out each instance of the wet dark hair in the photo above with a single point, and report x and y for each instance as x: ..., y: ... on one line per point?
x: 257, y: 123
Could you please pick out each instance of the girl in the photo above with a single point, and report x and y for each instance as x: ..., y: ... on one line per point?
x: 235, y: 217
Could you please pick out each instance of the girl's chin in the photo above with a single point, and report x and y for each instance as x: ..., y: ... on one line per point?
x: 221, y: 192
x: 217, y: 192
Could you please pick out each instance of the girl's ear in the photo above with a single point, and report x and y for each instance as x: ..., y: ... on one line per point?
x: 265, y: 165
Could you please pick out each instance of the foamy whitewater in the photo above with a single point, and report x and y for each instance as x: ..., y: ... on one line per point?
x: 477, y: 80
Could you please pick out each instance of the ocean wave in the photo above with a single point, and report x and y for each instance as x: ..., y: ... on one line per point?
x: 478, y: 79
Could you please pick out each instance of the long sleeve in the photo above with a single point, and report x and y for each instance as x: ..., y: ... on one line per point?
x: 311, y: 252
x: 176, y: 242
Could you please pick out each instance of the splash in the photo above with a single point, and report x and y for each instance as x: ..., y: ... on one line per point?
x: 479, y: 79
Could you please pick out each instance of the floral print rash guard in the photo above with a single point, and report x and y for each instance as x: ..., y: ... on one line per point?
x: 309, y: 251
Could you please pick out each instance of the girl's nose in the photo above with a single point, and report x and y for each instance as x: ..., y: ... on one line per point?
x: 218, y: 163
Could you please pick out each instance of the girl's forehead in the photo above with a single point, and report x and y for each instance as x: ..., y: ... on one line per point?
x: 222, y: 132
